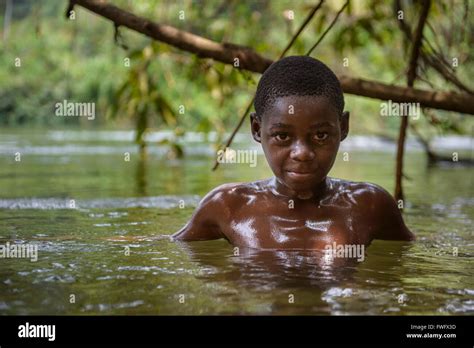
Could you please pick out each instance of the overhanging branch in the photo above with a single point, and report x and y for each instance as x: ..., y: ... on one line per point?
x: 252, y: 61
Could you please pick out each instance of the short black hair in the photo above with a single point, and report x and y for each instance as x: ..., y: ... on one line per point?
x: 299, y: 76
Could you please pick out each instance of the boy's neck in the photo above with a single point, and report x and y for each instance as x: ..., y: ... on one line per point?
x: 317, y: 193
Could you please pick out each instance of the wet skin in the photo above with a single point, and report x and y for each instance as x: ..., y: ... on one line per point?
x: 300, y: 207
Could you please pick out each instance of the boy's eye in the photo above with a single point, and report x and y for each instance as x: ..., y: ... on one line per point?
x: 281, y: 136
x: 321, y: 136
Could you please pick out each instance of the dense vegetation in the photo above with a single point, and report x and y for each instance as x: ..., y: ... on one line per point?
x: 165, y: 88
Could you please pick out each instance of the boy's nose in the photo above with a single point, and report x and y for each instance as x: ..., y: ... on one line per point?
x: 302, y: 152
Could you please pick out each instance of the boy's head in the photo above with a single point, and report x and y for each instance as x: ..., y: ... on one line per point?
x: 299, y: 120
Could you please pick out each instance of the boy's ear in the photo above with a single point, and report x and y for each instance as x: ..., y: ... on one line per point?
x: 255, y: 126
x: 344, y: 124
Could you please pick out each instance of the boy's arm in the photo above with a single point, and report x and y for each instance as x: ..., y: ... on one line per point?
x: 389, y: 221
x: 204, y: 223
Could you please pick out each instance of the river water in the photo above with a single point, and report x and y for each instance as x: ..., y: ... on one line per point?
x: 101, y: 226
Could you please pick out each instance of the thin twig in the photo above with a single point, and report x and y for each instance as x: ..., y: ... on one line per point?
x: 425, y: 143
x: 433, y: 60
x: 118, y: 39
x: 328, y: 28
x: 411, y: 77
x: 70, y: 8
x: 305, y: 23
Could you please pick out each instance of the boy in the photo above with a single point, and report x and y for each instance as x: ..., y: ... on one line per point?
x: 299, y: 121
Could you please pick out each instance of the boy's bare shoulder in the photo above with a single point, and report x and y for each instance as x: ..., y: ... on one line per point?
x: 230, y: 192
x: 370, y: 198
x: 213, y: 213
x: 376, y: 205
x: 237, y: 191
x: 361, y: 191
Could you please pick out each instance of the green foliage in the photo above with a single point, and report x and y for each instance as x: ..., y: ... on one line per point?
x: 78, y: 60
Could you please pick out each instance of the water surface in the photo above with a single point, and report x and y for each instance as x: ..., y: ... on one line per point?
x: 101, y: 225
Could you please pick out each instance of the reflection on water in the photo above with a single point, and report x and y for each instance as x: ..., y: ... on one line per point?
x: 279, y: 269
x: 113, y: 253
x: 141, y: 176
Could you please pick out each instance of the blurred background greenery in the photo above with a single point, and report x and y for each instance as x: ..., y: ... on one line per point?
x: 164, y: 88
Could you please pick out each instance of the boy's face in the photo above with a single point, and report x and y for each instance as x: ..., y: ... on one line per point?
x: 300, y: 136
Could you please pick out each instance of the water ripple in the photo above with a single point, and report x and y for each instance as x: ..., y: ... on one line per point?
x: 161, y: 202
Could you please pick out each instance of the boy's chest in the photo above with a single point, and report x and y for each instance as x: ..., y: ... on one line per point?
x: 304, y: 227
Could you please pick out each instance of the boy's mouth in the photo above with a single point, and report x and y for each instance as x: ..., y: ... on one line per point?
x: 300, y: 175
